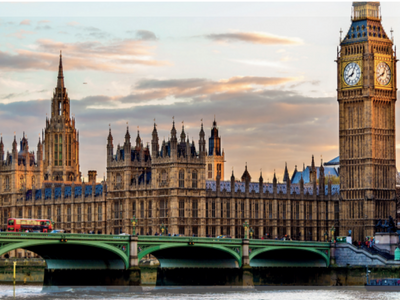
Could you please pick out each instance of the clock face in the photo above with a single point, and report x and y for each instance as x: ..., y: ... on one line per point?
x: 383, y: 73
x: 352, y: 73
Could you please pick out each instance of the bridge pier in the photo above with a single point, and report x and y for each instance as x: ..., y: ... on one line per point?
x: 133, y: 252
x: 245, y: 253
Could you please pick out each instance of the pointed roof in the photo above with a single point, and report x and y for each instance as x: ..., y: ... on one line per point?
x: 246, y: 175
x: 127, y: 135
x: 286, y: 177
x: 183, y: 135
x: 60, y: 78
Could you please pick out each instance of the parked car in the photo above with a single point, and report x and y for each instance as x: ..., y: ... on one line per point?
x: 57, y: 231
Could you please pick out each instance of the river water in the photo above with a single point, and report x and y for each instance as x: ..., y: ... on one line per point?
x: 280, y: 293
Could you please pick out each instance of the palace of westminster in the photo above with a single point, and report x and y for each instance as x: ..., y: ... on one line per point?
x: 181, y: 184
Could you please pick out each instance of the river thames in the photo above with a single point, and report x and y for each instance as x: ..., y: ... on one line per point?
x: 344, y: 293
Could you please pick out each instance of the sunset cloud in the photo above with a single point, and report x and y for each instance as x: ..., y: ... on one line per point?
x: 116, y: 56
x: 254, y: 38
x: 25, y: 22
x: 21, y: 34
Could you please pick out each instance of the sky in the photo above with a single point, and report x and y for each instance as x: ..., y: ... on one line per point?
x: 265, y: 71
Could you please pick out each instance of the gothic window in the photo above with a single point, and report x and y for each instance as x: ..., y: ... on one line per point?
x: 58, y: 214
x: 99, y: 213
x: 228, y: 210
x: 79, y: 214
x: 134, y: 208
x: 39, y: 213
x: 181, y: 209
x: 219, y: 170
x: 194, y: 209
x: 209, y: 171
x: 7, y: 185
x: 163, y: 208
x: 150, y: 207
x: 56, y: 150
x: 33, y: 181
x: 164, y: 178
x: 181, y: 178
x: 22, y: 182
x: 60, y: 146
x: 284, y: 210
x: 142, y: 209
x: 194, y: 179
x: 89, y: 213
x: 119, y: 181
x: 69, y: 214
x: 29, y: 213
x: 270, y: 210
x: 59, y: 108
x: 213, y: 209
x: 20, y: 213
x: 49, y: 213
x: 256, y: 210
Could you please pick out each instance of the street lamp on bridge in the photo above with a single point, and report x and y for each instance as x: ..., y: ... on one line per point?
x: 246, y: 227
x: 134, y: 222
x: 162, y: 229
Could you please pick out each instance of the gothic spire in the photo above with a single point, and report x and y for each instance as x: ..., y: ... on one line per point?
x: 60, y: 80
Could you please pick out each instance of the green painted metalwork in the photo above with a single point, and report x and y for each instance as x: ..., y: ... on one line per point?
x: 115, y: 244
x: 120, y: 244
x: 151, y: 244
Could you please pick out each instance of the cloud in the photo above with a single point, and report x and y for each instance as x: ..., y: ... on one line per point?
x: 43, y: 21
x: 73, y: 23
x: 21, y: 34
x: 170, y: 91
x: 25, y: 22
x: 145, y: 35
x: 254, y: 38
x: 259, y: 63
x: 43, y: 27
x: 115, y: 56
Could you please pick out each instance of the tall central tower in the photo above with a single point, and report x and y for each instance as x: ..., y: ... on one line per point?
x: 366, y: 66
x: 61, y: 161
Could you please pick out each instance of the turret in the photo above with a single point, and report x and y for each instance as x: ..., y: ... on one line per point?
x: 39, y: 153
x: 286, y: 177
x: 127, y: 145
x: 110, y: 146
x: 183, y: 135
x: 202, y: 142
x: 1, y: 149
x: 321, y: 179
x: 138, y: 140
x: 14, y: 150
x: 174, y: 141
x: 154, y: 143
x: 232, y: 183
x: 260, y: 184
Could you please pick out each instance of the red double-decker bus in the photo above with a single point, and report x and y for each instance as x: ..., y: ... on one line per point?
x: 31, y: 225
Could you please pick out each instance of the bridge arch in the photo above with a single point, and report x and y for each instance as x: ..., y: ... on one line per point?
x: 212, y: 255
x: 115, y: 258
x: 278, y: 256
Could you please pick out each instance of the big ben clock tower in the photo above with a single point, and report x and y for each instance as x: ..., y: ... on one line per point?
x: 366, y: 66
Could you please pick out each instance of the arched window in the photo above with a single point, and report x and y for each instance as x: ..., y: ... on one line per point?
x: 22, y: 182
x: 164, y: 178
x: 181, y: 179
x: 7, y: 185
x: 119, y: 181
x: 194, y: 179
x: 33, y: 181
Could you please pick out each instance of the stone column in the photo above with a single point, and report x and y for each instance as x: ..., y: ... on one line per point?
x: 245, y: 253
x: 133, y: 254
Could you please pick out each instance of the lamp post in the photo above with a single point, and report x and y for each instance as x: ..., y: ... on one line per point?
x: 246, y: 227
x: 333, y: 229
x: 162, y: 229
x: 251, y: 233
x: 134, y: 222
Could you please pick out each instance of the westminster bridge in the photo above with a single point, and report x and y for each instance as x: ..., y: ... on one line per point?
x: 88, y: 259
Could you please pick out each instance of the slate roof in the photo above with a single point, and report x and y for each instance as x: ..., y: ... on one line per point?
x: 281, y: 188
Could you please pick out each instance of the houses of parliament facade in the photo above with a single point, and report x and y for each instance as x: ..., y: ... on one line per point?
x: 181, y: 185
